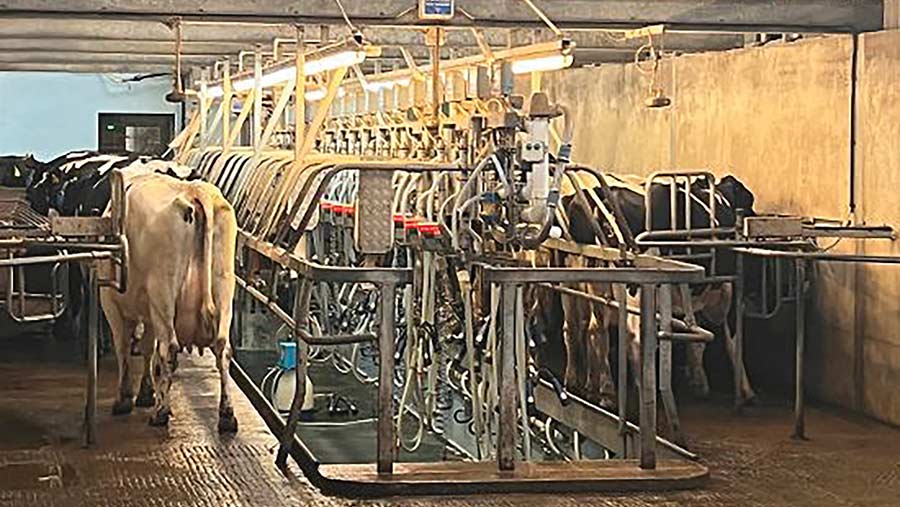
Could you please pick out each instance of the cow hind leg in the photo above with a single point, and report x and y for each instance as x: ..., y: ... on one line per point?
x: 574, y: 342
x: 145, y: 392
x: 166, y: 349
x: 697, y: 380
x: 747, y: 392
x: 227, y: 422
x: 122, y: 332
x: 600, y: 386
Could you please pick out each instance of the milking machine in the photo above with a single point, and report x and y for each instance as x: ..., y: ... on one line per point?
x: 404, y: 248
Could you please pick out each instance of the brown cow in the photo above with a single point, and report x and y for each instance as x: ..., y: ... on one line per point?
x: 181, y: 238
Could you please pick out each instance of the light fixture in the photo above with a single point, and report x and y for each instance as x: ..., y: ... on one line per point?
x: 285, y: 74
x: 376, y: 86
x: 542, y: 63
x: 315, y: 94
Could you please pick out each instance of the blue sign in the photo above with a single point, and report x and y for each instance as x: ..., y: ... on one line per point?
x: 436, y: 8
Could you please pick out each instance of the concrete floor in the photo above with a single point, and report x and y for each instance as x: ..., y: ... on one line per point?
x: 850, y: 461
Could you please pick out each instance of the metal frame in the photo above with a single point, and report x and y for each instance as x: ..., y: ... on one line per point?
x: 94, y: 241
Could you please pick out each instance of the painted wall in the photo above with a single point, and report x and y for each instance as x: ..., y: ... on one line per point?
x: 51, y: 113
x: 778, y: 117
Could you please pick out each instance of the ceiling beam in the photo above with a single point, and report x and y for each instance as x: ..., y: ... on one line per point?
x: 94, y: 68
x: 100, y: 58
x: 725, y: 15
x: 391, y: 41
x: 131, y: 46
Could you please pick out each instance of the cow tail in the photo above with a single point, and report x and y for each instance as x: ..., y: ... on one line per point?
x: 207, y: 222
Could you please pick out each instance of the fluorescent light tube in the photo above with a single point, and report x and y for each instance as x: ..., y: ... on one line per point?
x: 541, y: 64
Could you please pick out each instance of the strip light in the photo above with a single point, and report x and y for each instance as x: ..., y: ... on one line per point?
x: 542, y: 63
x: 285, y: 74
x: 376, y: 86
x: 315, y: 94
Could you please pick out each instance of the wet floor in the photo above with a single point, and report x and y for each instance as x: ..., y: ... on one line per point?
x: 849, y: 461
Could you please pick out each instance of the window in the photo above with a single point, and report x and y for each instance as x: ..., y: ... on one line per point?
x: 142, y: 134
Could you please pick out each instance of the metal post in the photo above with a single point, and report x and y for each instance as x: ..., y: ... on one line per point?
x: 622, y: 397
x: 301, y: 322
x: 799, y: 408
x: 385, y: 439
x: 522, y: 370
x: 204, y: 109
x: 506, y: 437
x: 226, y: 105
x: 90, y: 408
x: 299, y: 94
x: 648, y: 377
x: 739, y: 330
x: 665, y: 364
x: 257, y: 100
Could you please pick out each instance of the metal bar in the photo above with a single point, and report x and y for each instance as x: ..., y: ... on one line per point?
x: 600, y: 424
x: 246, y: 107
x: 299, y: 93
x: 877, y: 232
x: 20, y: 279
x: 707, y: 232
x: 46, y: 259
x: 90, y: 409
x: 385, y: 423
x: 323, y: 273
x: 622, y: 353
x: 684, y: 332
x: 611, y: 275
x: 22, y: 242
x: 648, y: 377
x: 322, y: 110
x: 276, y: 114
x: 665, y: 337
x: 799, y: 401
x: 522, y: 371
x: 257, y: 100
x: 739, y: 330
x: 665, y: 364
x: 227, y: 97
x: 309, y: 339
x: 875, y: 259
x: 301, y: 319
x: 711, y: 243
x: 506, y: 432
x: 298, y: 450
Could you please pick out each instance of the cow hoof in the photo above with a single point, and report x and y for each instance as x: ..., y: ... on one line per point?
x: 603, y: 400
x: 122, y: 407
x: 607, y: 401
x: 145, y: 397
x: 160, y: 418
x: 699, y: 391
x: 228, y: 423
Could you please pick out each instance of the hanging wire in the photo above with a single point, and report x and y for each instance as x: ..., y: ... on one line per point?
x: 346, y: 18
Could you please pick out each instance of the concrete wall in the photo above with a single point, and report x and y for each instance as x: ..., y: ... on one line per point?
x: 51, y: 113
x: 878, y: 159
x: 778, y: 117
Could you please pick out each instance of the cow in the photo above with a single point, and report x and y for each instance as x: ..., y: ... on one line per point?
x: 77, y: 184
x: 182, y: 239
x: 585, y: 325
x: 18, y: 171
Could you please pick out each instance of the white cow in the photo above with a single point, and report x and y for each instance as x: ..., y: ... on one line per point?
x: 181, y: 238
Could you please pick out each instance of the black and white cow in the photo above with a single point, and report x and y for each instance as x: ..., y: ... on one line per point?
x: 78, y: 184
x: 18, y: 171
x: 585, y: 326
